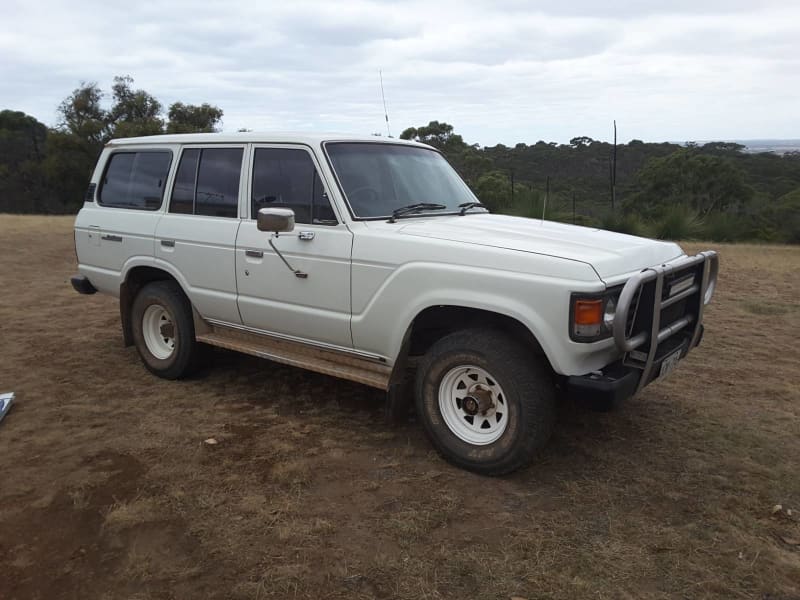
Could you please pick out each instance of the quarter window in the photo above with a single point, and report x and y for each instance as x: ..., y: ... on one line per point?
x: 207, y: 182
x: 287, y: 178
x: 135, y: 180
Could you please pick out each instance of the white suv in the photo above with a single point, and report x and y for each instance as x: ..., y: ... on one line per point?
x: 370, y: 259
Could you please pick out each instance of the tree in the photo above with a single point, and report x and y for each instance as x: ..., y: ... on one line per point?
x: 703, y: 183
x: 494, y: 190
x: 436, y: 134
x: 72, y: 148
x: 22, y: 146
x: 580, y: 141
x: 188, y: 118
x: 722, y: 148
x: 84, y: 126
x: 67, y: 167
x: 81, y: 115
x: 134, y: 112
x: 785, y: 216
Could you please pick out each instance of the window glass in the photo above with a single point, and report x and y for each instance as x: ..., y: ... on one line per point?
x: 287, y: 178
x: 378, y: 178
x: 183, y: 189
x: 135, y: 180
x: 217, y: 192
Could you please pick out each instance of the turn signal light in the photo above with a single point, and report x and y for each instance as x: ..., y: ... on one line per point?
x: 588, y: 312
x: 587, y: 319
x: 592, y: 316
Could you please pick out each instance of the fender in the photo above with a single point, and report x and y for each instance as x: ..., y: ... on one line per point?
x: 382, y: 324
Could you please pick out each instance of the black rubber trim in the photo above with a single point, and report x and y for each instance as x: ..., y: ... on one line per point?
x: 82, y: 285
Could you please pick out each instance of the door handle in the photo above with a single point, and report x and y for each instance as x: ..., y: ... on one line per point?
x: 111, y: 238
x: 306, y: 236
x: 254, y: 253
x: 168, y: 243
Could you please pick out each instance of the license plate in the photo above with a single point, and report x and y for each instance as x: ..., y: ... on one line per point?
x: 668, y: 364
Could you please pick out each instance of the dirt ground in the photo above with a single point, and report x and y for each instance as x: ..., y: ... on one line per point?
x: 108, y: 491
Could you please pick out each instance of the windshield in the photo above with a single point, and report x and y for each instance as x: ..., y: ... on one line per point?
x: 379, y: 178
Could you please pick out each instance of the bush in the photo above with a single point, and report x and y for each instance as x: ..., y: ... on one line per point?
x: 629, y: 223
x: 677, y: 223
x: 723, y: 227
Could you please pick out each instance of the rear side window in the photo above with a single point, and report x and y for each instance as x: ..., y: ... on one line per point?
x: 207, y: 182
x: 287, y: 178
x: 135, y: 180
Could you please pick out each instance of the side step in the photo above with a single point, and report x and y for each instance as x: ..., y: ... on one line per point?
x: 330, y: 362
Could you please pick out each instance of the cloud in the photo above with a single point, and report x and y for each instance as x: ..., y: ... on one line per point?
x: 503, y: 71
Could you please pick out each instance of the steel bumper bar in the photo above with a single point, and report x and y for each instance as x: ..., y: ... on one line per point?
x: 705, y: 262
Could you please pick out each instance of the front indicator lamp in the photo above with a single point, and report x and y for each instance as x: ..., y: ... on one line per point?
x: 592, y: 316
x: 588, y: 318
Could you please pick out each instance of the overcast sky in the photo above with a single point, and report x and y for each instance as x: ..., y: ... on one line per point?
x: 500, y: 71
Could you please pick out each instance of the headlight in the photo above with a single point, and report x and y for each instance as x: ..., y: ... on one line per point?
x: 610, y: 311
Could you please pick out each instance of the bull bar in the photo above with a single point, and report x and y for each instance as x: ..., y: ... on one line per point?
x: 653, y: 334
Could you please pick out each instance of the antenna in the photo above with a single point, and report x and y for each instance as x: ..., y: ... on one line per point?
x: 385, y: 112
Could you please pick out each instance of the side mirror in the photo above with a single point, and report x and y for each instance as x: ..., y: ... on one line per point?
x: 275, y: 220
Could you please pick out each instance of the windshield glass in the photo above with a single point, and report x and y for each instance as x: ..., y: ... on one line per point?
x: 380, y: 178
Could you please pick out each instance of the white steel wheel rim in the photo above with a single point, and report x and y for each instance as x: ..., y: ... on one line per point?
x: 158, y: 331
x: 473, y: 405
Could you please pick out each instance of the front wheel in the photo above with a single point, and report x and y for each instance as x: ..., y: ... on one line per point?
x: 487, y: 403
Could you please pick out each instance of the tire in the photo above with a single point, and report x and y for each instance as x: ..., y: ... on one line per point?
x: 494, y: 371
x: 159, y: 304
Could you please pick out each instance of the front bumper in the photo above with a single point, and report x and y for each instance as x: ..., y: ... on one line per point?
x: 610, y: 386
x: 615, y: 383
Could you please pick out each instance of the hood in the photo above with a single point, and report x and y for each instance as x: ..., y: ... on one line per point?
x: 609, y: 253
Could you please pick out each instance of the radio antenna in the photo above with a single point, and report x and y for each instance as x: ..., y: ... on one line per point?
x: 385, y: 112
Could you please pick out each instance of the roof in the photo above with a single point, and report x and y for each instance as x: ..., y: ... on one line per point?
x: 309, y: 138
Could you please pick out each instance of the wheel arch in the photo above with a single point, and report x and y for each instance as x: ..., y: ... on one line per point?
x: 135, y: 279
x: 434, y: 322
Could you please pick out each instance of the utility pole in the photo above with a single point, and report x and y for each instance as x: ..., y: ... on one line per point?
x: 512, y: 187
x: 614, y: 170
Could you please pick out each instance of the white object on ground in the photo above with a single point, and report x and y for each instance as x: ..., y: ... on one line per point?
x: 6, y: 400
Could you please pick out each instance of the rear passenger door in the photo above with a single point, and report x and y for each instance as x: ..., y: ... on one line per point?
x: 271, y: 298
x: 195, y: 239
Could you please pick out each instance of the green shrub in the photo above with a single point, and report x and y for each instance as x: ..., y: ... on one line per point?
x: 677, y: 223
x: 629, y: 223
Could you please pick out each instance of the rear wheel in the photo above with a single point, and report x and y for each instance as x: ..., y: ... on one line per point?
x: 163, y: 330
x: 487, y: 403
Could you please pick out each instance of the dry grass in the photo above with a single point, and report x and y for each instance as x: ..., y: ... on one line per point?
x: 106, y: 490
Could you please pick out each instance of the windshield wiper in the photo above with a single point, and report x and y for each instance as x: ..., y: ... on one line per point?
x: 412, y: 208
x: 467, y: 205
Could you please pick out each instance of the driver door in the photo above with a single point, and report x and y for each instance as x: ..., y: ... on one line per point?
x: 271, y: 298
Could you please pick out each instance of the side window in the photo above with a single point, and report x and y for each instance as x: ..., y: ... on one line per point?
x: 207, y: 182
x: 183, y: 189
x: 135, y: 180
x: 287, y: 178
